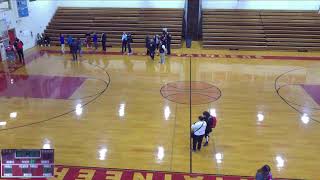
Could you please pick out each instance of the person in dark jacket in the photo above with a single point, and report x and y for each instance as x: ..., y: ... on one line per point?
x: 152, y: 48
x: 211, y: 123
x: 88, y: 40
x: 74, y: 50
x: 157, y: 41
x: 47, y: 40
x: 168, y: 40
x: 264, y: 173
x: 104, y: 41
x: 147, y: 44
x: 18, y: 44
x: 129, y: 41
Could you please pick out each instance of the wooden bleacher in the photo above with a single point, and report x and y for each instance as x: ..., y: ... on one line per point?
x: 261, y: 29
x: 113, y: 21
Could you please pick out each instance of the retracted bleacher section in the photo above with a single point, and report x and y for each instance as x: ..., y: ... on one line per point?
x: 113, y: 21
x: 261, y: 29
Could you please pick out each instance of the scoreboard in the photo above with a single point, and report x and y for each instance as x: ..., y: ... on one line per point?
x: 27, y: 163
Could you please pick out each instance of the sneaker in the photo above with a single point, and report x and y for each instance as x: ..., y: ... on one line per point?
x: 206, y: 144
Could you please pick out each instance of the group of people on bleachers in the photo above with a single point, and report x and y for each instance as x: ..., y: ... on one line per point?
x: 43, y: 40
x: 161, y: 43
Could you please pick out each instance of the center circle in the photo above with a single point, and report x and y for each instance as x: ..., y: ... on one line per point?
x: 194, y: 92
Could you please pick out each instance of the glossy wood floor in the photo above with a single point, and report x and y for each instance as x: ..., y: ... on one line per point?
x: 124, y: 122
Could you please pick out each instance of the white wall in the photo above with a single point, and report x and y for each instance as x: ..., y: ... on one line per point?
x: 40, y: 13
x: 123, y: 3
x: 262, y: 4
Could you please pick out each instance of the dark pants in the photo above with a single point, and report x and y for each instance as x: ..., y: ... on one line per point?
x: 169, y: 49
x: 104, y: 46
x: 74, y: 56
x: 197, y: 140
x: 70, y: 49
x: 129, y: 48
x: 21, y: 56
x: 124, y: 46
x: 152, y: 55
x: 148, y: 52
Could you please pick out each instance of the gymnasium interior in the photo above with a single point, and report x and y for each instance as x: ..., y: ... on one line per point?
x: 254, y: 65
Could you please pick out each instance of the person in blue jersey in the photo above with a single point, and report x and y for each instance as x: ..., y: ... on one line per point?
x: 95, y: 41
x: 79, y: 43
x: 69, y: 41
x: 62, y: 43
x: 74, y: 50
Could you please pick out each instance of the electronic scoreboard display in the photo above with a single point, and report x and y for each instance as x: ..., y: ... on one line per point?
x: 27, y: 163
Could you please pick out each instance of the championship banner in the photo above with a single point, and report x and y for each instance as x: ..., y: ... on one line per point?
x: 22, y: 6
x: 77, y: 173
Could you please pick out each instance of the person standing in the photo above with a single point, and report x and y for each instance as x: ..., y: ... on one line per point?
x: 39, y: 40
x: 211, y: 123
x: 62, y: 43
x: 152, y: 48
x: 95, y: 41
x: 88, y: 40
x: 19, y: 47
x: 74, y: 50
x: 69, y: 41
x: 264, y: 173
x: 79, y: 50
x: 198, y: 131
x: 157, y: 41
x: 124, y: 42
x: 104, y: 41
x: 129, y: 41
x: 168, y: 38
x: 47, y: 40
x: 147, y: 44
x: 162, y: 51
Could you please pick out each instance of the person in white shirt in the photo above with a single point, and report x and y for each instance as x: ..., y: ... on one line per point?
x: 198, y: 129
x: 124, y: 42
x: 162, y: 51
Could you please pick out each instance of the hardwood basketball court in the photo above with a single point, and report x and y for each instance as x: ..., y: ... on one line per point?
x: 129, y: 112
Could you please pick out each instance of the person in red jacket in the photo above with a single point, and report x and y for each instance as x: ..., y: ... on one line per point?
x: 211, y: 123
x: 18, y: 44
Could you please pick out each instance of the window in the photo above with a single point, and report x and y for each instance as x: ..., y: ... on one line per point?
x: 4, y: 5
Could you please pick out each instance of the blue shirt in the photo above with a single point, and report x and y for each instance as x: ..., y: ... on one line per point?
x: 61, y: 39
x: 95, y: 38
x: 69, y: 40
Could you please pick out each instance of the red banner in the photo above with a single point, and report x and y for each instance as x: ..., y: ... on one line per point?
x: 77, y: 173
